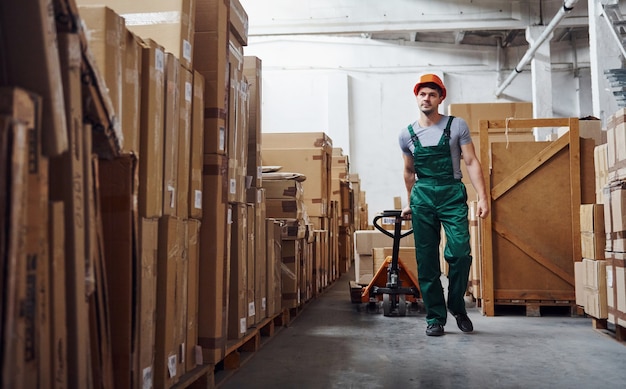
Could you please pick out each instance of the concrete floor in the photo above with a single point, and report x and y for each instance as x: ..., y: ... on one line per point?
x: 331, y: 344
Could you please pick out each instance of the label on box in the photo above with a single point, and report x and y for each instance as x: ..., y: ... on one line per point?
x: 181, y: 352
x: 159, y: 60
x: 222, y: 139
x: 259, y: 197
x: 197, y: 201
x: 259, y: 172
x: 251, y: 310
x: 242, y: 325
x: 263, y: 304
x: 198, y: 352
x: 233, y: 186
x: 171, y: 365
x: 147, y: 378
x: 186, y: 50
x: 188, y: 92
x: 609, y: 277
x: 172, y: 192
x: 230, y: 216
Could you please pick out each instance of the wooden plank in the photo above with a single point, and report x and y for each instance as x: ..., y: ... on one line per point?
x: 529, y: 167
x: 532, y: 252
x: 575, y: 186
x: 487, y: 255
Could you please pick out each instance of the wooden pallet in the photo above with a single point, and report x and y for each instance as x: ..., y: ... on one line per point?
x: 239, y: 351
x: 615, y: 330
x: 202, y: 377
x: 536, y: 308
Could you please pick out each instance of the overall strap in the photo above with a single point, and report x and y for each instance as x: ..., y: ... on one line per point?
x: 413, y: 136
x: 446, y: 130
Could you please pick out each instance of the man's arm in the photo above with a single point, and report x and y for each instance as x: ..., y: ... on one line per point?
x: 476, y: 177
x: 409, y: 180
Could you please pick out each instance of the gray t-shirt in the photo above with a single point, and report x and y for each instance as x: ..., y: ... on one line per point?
x: 430, y: 136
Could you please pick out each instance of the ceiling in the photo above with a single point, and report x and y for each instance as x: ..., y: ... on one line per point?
x: 459, y: 22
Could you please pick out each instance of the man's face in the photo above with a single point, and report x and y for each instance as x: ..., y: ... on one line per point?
x: 428, y: 100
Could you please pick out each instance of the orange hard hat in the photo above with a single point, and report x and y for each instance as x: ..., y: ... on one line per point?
x: 430, y: 78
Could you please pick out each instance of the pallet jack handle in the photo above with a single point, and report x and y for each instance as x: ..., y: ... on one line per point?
x: 397, y: 235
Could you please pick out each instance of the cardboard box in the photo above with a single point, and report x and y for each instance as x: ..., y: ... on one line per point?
x: 146, y: 302
x: 212, y: 62
x: 213, y: 15
x: 251, y: 266
x: 56, y: 236
x: 214, y: 259
x: 283, y: 189
x: 171, y: 135
x: 238, y: 22
x: 169, y: 306
x: 593, y: 239
x: 193, y: 253
x: 364, y: 242
x: 252, y: 71
x: 274, y: 264
x: 171, y: 23
x: 260, y: 259
x: 131, y: 93
x: 290, y: 272
x: 31, y: 54
x: 238, y: 298
x: 14, y: 176
x: 579, y: 283
x: 601, y: 170
x: 184, y: 142
x: 312, y: 163
x: 588, y: 129
x: 67, y: 183
x: 405, y: 254
x: 106, y: 37
x: 118, y: 214
x: 151, y: 146
x: 196, y: 150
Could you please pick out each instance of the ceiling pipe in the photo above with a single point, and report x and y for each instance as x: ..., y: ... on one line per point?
x: 568, y: 5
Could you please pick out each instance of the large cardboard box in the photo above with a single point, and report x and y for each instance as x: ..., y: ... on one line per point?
x: 184, y: 142
x: 238, y: 22
x: 169, y: 307
x: 193, y: 253
x: 214, y: 259
x: 212, y: 63
x: 213, y: 15
x: 615, y: 217
x: 290, y: 256
x: 171, y: 134
x: 67, y: 183
x: 119, y: 214
x: 273, y: 251
x: 146, y: 302
x: 197, y: 148
x: 58, y: 334
x: 106, y: 37
x: 131, y: 93
x: 260, y: 258
x: 601, y: 171
x: 238, y: 296
x: 251, y: 266
x: 314, y: 164
x: 252, y: 70
x: 151, y: 146
x: 16, y: 370
x: 592, y: 231
x: 31, y: 54
x: 169, y: 22
x: 595, y: 290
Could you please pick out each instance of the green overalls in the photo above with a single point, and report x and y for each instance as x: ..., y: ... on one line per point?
x: 437, y: 199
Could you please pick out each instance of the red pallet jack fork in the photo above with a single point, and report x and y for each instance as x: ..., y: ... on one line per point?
x: 392, y: 283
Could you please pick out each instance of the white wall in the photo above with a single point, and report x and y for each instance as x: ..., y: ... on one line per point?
x: 359, y: 92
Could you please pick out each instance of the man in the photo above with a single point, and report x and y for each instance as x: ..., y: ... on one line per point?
x: 432, y: 148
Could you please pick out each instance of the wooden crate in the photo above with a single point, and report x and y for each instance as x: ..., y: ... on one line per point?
x: 532, y: 236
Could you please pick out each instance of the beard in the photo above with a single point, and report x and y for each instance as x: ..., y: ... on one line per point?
x: 427, y: 110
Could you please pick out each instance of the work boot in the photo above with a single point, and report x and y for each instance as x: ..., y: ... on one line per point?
x: 435, y: 329
x: 464, y: 322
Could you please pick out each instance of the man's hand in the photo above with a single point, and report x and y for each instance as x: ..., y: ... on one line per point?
x: 482, y: 208
x: 407, y: 213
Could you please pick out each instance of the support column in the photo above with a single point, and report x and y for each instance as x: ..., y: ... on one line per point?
x: 541, y: 74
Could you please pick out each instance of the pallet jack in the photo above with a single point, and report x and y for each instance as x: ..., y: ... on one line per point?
x: 392, y: 283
